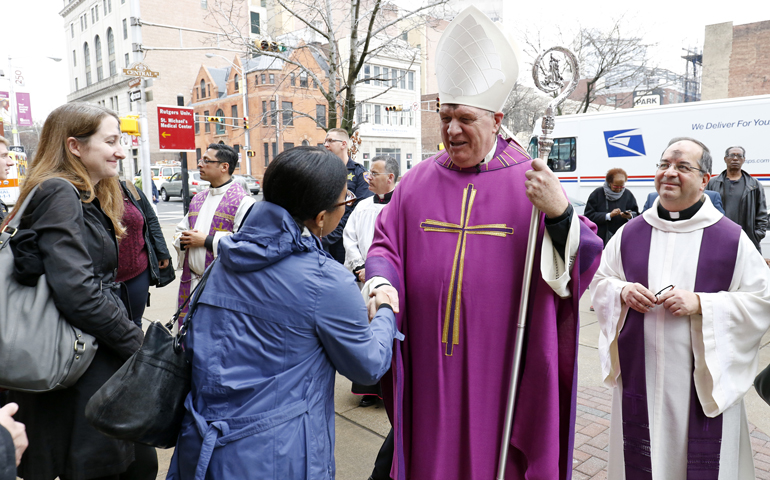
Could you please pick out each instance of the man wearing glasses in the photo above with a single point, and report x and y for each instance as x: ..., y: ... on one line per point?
x: 682, y: 298
x: 742, y: 195
x: 214, y: 214
x: 338, y: 142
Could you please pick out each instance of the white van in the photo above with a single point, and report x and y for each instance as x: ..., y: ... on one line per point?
x: 586, y: 146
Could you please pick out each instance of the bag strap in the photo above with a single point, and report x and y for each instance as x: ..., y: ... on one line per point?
x: 193, y: 299
x: 131, y: 188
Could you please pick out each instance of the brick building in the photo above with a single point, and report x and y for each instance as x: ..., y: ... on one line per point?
x: 736, y: 62
x: 631, y: 88
x: 285, y: 108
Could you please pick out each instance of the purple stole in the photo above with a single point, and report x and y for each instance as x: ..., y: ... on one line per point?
x: 713, y: 274
x: 223, y: 221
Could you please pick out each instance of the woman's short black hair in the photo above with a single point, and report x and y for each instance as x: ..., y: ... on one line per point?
x: 305, y: 181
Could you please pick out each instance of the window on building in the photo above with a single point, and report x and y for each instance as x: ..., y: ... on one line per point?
x: 405, y: 36
x: 305, y: 143
x: 377, y: 118
x: 127, y: 60
x: 85, y: 19
x: 385, y: 76
x: 275, y: 150
x: 236, y: 83
x: 402, y: 79
x: 410, y: 76
x: 72, y: 30
x: 263, y: 78
x: 264, y: 113
x: 287, y: 146
x: 98, y: 53
x: 273, y: 113
x: 267, y: 155
x: 256, y: 80
x: 111, y: 52
x: 376, y: 74
x: 303, y: 79
x: 208, y: 90
x: 197, y: 124
x: 255, y: 23
x: 125, y: 29
x: 393, y: 152
x: 288, y: 114
x: 367, y: 73
x: 204, y: 4
x: 320, y: 115
x: 234, y: 114
x: 292, y: 80
x: 76, y: 84
x: 411, y: 118
x: 220, y: 125
x: 74, y: 59
x: 198, y: 154
x: 206, y: 126
x: 315, y: 83
x: 104, y: 5
x: 93, y: 16
x: 393, y: 77
x: 203, y: 88
x: 87, y: 63
x: 272, y: 79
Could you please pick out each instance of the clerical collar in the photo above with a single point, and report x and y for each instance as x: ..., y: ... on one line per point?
x: 685, y: 214
x: 220, y: 186
x: 489, y: 156
x: 384, y: 199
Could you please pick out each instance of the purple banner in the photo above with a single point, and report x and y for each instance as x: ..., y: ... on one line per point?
x: 23, y: 109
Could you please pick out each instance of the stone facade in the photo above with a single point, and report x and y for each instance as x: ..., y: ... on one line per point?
x: 736, y: 60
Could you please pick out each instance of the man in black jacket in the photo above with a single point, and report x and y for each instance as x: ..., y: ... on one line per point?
x: 338, y: 142
x: 743, y: 196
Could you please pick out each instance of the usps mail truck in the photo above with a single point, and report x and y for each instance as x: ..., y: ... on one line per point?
x: 586, y: 146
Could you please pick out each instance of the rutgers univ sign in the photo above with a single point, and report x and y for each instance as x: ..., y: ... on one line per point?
x: 176, y: 128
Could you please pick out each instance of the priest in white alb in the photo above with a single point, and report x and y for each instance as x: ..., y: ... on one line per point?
x: 683, y: 299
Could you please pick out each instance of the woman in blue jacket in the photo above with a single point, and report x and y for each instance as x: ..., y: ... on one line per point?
x: 277, y: 317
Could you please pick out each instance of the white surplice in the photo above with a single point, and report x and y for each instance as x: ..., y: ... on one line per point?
x: 359, y: 231
x: 197, y: 256
x: 724, y: 341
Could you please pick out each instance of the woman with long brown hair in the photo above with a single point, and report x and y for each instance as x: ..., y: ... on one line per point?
x: 74, y: 233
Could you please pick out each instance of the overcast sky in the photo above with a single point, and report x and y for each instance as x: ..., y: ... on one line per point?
x: 33, y: 30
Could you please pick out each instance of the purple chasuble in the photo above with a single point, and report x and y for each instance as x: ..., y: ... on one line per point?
x: 453, y: 242
x: 223, y: 221
x: 713, y: 274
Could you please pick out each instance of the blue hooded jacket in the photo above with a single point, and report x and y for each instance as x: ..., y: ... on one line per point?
x: 277, y: 317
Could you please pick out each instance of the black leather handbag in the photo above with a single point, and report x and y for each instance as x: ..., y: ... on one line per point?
x: 762, y: 384
x: 143, y: 401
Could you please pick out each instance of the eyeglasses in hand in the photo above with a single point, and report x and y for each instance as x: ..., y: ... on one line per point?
x: 663, y: 291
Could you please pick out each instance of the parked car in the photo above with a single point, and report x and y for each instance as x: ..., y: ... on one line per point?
x: 578, y: 205
x: 249, y: 183
x: 173, y: 186
x: 160, y: 173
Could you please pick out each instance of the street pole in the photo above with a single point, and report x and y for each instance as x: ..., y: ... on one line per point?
x: 144, y: 127
x: 12, y: 104
x: 247, y: 141
x: 277, y: 127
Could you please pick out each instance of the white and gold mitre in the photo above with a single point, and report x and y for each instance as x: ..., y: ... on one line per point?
x: 477, y: 64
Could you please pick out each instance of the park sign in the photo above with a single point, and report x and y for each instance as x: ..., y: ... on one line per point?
x: 176, y: 128
x: 140, y: 70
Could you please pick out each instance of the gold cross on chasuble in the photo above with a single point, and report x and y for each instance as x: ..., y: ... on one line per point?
x: 454, y: 297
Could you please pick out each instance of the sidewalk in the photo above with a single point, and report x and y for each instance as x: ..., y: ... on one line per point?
x: 360, y: 431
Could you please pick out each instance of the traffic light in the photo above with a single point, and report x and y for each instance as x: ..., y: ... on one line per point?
x: 268, y: 46
x: 438, y: 104
x: 250, y: 153
x: 394, y: 108
x: 215, y: 119
x: 130, y: 125
x: 246, y: 123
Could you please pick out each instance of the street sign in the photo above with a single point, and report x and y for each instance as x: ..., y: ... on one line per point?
x: 140, y: 70
x: 134, y: 82
x: 415, y: 106
x: 16, y: 148
x: 135, y: 95
x: 176, y: 128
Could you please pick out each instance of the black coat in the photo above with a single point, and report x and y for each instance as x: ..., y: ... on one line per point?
x: 153, y: 237
x: 597, y: 208
x: 332, y: 242
x: 77, y: 245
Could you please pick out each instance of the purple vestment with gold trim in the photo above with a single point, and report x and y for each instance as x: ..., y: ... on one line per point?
x: 223, y: 221
x: 453, y: 242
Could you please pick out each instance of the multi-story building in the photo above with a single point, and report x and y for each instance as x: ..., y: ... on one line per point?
x: 100, y: 38
x: 735, y: 60
x: 286, y: 109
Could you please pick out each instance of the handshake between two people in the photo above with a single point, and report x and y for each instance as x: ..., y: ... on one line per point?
x: 679, y: 302
x: 383, y: 294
